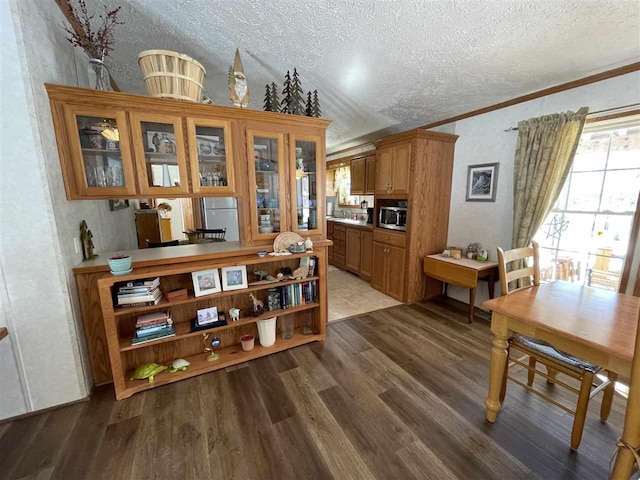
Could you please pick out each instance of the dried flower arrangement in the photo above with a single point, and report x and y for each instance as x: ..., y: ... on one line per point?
x: 97, y: 43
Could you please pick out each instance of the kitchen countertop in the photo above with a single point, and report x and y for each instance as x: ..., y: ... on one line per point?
x: 350, y: 222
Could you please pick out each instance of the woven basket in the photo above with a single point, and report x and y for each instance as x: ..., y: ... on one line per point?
x: 172, y: 75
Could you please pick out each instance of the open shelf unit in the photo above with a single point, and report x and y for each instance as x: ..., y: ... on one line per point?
x: 120, y: 322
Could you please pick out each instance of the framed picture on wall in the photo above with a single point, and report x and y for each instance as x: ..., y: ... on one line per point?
x: 482, y: 181
x: 118, y: 204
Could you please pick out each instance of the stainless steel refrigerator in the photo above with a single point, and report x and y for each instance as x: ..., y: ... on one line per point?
x: 222, y: 213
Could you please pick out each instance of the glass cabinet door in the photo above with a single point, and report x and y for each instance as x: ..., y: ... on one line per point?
x: 100, y: 152
x: 160, y: 154
x: 306, y: 168
x: 211, y: 156
x: 267, y: 184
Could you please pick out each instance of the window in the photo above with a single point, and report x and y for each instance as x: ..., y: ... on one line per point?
x: 585, y: 236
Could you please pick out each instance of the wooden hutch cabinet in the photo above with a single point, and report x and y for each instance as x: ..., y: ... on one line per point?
x: 116, y: 145
x: 414, y: 166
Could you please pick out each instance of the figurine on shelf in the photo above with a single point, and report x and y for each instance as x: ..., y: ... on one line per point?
x: 261, y: 273
x: 86, y: 238
x: 211, y: 346
x: 179, y: 364
x: 148, y: 371
x: 308, y: 244
x: 238, y: 88
x: 234, y: 313
x: 156, y: 142
x: 258, y: 306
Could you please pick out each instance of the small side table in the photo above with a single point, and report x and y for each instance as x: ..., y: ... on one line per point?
x: 462, y: 273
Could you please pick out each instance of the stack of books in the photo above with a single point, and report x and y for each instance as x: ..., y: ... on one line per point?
x: 138, y: 293
x: 153, y: 326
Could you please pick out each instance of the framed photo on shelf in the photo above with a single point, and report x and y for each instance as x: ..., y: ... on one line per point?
x: 207, y: 316
x: 482, y: 182
x: 206, y: 282
x: 234, y: 278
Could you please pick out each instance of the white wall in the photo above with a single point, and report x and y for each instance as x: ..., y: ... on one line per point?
x: 483, y: 140
x: 39, y: 297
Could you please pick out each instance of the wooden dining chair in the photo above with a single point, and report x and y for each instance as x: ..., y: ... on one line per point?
x: 539, y: 351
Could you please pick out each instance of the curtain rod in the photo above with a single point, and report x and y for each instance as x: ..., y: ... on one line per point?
x: 591, y: 113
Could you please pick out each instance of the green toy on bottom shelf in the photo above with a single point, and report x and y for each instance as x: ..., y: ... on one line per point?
x: 179, y: 364
x: 148, y: 370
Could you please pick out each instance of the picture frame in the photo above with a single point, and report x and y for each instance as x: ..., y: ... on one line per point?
x: 207, y: 316
x: 206, y: 282
x: 118, y: 204
x: 234, y: 278
x: 482, y: 182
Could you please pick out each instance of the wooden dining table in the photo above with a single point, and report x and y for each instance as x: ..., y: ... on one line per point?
x: 596, y: 325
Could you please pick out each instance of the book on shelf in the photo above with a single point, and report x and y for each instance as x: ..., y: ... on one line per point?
x: 141, y: 304
x: 143, y: 333
x: 139, y: 298
x: 298, y: 294
x: 153, y: 318
x: 143, y: 282
x: 170, y: 332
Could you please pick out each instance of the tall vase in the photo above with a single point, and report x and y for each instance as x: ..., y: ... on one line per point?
x: 98, y: 75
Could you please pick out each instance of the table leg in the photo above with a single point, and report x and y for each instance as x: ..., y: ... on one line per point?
x: 472, y: 301
x: 492, y: 286
x: 631, y: 430
x: 499, y: 327
x: 445, y: 285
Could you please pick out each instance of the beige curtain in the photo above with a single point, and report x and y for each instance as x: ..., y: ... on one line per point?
x: 544, y: 154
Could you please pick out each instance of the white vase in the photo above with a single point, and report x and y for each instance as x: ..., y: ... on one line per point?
x: 267, y: 331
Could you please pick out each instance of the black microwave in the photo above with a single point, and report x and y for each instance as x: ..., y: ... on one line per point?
x: 393, y: 218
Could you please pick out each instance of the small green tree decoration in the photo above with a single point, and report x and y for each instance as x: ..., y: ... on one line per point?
x: 297, y: 102
x: 308, y: 111
x: 316, y: 112
x: 287, y: 98
x: 267, y: 99
x: 275, y: 101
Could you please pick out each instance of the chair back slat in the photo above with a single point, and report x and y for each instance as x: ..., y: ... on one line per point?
x: 521, y: 269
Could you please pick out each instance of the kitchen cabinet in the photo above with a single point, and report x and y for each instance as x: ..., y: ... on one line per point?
x: 388, y: 270
x: 393, y: 170
x: 358, y: 176
x: 366, y: 254
x: 363, y: 175
x: 352, y: 247
x: 211, y: 156
x: 352, y: 261
x: 306, y: 173
x: 160, y: 154
x: 267, y: 181
x: 339, y: 245
x: 370, y: 183
x: 330, y: 237
x: 97, y: 152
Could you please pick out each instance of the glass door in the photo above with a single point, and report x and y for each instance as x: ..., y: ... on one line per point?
x: 306, y: 161
x: 211, y: 156
x: 100, y: 152
x: 267, y: 183
x: 160, y: 154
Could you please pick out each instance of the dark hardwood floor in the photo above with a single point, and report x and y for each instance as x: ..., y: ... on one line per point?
x: 394, y: 394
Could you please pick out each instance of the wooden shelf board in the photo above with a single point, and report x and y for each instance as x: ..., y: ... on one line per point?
x: 183, y: 329
x: 105, y: 151
x: 229, y: 356
x: 178, y: 268
x: 164, y: 303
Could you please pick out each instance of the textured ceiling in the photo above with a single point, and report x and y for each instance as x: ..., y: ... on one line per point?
x: 384, y: 66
